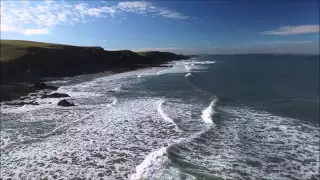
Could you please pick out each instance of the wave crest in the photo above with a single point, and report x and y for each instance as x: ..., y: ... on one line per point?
x: 208, y: 112
x: 151, y: 165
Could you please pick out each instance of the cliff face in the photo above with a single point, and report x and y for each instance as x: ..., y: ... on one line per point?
x: 158, y: 56
x: 42, y: 61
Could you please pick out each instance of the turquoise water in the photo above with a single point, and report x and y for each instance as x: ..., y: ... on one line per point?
x: 212, y: 117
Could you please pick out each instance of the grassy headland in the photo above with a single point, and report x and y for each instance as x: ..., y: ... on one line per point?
x: 36, y: 59
x: 28, y: 61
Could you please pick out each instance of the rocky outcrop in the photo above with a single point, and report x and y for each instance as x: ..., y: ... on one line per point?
x: 55, y: 95
x: 65, y: 103
x: 22, y: 103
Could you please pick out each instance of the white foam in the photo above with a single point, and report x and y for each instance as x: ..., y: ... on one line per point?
x: 194, y: 66
x: 187, y: 67
x: 151, y: 71
x: 193, y: 63
x: 210, y: 62
x: 255, y: 144
x: 161, y: 72
x: 177, y: 67
x: 114, y: 102
x: 64, y: 126
x: 116, y: 89
x: 189, y: 74
x: 121, y: 135
x: 208, y: 112
x: 162, y: 113
x: 152, y: 166
x: 58, y: 82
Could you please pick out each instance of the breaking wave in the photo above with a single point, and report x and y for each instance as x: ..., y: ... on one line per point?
x: 208, y: 112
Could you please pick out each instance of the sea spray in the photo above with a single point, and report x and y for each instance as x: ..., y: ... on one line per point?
x: 210, y: 62
x: 162, y: 113
x: 152, y: 166
x: 159, y: 72
x: 208, y: 112
x: 187, y: 67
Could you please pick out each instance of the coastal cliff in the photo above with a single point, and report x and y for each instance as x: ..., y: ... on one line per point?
x: 29, y: 62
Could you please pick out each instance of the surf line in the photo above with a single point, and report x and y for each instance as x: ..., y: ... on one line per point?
x: 164, y: 116
x: 153, y: 164
x: 209, y: 112
x: 161, y: 71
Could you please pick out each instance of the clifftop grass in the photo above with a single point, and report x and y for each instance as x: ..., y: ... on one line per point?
x: 13, y: 49
x: 160, y: 55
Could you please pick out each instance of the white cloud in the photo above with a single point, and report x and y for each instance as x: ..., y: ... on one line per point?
x: 142, y: 7
x: 290, y: 30
x: 206, y: 42
x: 170, y: 14
x: 42, y: 17
x: 135, y: 6
x: 36, y: 31
x: 7, y: 28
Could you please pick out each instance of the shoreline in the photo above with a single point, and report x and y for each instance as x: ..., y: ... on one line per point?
x: 19, y: 90
x: 26, y: 63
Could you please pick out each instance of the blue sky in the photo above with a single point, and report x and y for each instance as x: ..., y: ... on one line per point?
x: 228, y: 26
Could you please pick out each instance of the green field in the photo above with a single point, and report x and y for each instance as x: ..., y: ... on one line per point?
x: 13, y: 49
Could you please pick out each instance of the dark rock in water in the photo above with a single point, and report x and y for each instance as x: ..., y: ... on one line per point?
x: 55, y: 95
x: 23, y: 103
x: 65, y: 103
x: 42, y: 86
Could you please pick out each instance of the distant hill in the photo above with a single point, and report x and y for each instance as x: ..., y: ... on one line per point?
x: 35, y: 60
x: 159, y: 56
x: 13, y: 49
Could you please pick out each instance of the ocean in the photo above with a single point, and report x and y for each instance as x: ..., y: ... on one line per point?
x: 212, y: 117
